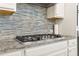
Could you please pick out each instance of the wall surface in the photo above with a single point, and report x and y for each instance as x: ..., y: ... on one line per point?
x: 29, y: 19
x: 68, y: 25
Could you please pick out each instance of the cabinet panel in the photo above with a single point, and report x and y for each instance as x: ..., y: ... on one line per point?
x: 73, y: 47
x: 56, y: 11
x: 73, y: 51
x: 50, y: 11
x: 73, y: 43
x: 59, y: 53
x: 59, y: 10
x: 42, y: 50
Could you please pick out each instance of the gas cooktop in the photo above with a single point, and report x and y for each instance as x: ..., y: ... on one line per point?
x: 37, y: 37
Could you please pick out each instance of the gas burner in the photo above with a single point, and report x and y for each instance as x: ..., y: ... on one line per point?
x: 37, y: 37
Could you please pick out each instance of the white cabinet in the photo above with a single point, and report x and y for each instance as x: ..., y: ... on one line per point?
x: 73, y: 47
x: 59, y: 10
x: 59, y: 53
x: 72, y: 43
x: 46, y: 49
x: 15, y: 53
x: 73, y: 51
x: 56, y: 11
x: 61, y: 48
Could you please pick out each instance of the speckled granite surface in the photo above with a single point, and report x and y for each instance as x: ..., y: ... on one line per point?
x: 10, y: 45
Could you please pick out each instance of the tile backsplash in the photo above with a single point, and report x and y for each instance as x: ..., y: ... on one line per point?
x: 28, y: 19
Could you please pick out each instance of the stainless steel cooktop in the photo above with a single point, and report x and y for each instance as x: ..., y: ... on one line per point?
x: 37, y: 37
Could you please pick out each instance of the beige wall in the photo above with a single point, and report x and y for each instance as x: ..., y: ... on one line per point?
x: 68, y: 25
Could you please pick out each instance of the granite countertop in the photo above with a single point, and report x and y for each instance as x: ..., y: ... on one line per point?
x: 10, y: 45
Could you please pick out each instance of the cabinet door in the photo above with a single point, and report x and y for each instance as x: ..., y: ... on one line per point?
x: 56, y: 11
x: 73, y: 51
x: 73, y: 47
x: 15, y: 53
x: 59, y: 10
x: 50, y: 11
x: 59, y: 53
x: 73, y: 43
x: 46, y: 49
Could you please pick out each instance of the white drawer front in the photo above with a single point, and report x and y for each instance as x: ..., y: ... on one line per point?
x: 73, y: 51
x: 42, y: 50
x: 72, y: 42
x: 59, y: 53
